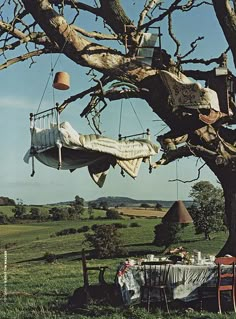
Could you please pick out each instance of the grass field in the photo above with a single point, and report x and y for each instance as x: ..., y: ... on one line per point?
x: 41, y: 290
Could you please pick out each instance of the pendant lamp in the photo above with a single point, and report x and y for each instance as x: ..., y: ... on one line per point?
x: 61, y: 81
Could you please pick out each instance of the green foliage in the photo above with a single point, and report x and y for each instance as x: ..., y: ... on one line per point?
x: 120, y: 225
x: 145, y: 205
x: 207, y: 209
x: 113, y: 214
x: 106, y: 241
x: 134, y: 224
x: 67, y: 231
x: 167, y: 234
x: 103, y: 205
x: 158, y: 206
x: 49, y: 257
x: 19, y: 210
x: 83, y: 229
x: 58, y: 213
x: 3, y: 218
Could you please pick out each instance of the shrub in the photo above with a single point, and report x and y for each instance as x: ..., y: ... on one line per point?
x: 113, y: 214
x: 106, y: 242
x: 50, y: 257
x: 94, y: 227
x: 134, y: 224
x: 83, y: 229
x: 167, y: 234
x: 67, y: 231
x: 119, y: 225
x: 3, y: 218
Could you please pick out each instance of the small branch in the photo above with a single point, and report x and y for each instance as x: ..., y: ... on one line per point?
x: 78, y: 5
x: 192, y: 180
x: 193, y: 47
x: 6, y: 27
x: 104, y: 80
x: 190, y: 5
x: 173, y: 37
x: 37, y: 38
x: 203, y: 61
x: 22, y: 58
x: 95, y: 35
x: 172, y: 8
x: 145, y: 11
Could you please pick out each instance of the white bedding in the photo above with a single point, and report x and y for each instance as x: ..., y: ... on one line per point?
x: 95, y: 151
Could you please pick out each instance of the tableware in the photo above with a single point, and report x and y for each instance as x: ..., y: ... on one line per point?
x: 150, y: 257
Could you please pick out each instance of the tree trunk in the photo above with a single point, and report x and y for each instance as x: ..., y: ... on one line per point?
x: 227, y: 178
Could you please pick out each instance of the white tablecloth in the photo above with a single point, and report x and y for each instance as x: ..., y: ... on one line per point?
x: 183, y: 281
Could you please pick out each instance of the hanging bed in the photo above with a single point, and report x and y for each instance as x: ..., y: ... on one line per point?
x: 59, y: 146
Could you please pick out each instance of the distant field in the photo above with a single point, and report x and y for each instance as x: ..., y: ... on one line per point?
x: 7, y: 210
x: 131, y: 211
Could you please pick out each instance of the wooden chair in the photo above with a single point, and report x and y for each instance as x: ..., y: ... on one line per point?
x: 226, y: 279
x: 155, y: 284
x: 86, y: 269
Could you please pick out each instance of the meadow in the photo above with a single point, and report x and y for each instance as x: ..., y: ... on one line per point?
x: 37, y: 289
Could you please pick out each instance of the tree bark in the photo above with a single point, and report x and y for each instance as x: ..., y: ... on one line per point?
x: 227, y: 178
x: 227, y: 19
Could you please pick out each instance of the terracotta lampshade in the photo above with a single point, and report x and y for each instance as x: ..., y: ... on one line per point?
x: 61, y: 81
x: 177, y: 214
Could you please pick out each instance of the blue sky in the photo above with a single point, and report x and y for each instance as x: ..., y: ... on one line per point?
x: 21, y: 91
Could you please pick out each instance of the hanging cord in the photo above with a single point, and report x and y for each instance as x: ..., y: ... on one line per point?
x: 51, y: 73
x: 120, y: 136
x: 120, y: 120
x: 136, y: 115
x: 177, y: 179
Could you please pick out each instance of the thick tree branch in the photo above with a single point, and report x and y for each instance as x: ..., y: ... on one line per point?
x: 82, y: 51
x: 79, y: 5
x: 227, y: 19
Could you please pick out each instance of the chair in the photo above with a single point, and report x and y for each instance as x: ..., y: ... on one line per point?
x: 226, y: 279
x: 86, y: 269
x: 155, y: 283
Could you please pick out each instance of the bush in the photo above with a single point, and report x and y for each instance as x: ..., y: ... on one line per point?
x: 119, y: 225
x: 3, y: 218
x: 94, y: 227
x: 67, y: 231
x: 106, y: 242
x: 50, y: 257
x: 134, y: 224
x: 83, y: 229
x: 167, y: 234
x: 113, y: 214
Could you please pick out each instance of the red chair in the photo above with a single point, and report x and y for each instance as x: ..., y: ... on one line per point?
x: 226, y: 279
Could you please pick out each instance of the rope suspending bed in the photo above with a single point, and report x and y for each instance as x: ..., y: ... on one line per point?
x: 59, y: 146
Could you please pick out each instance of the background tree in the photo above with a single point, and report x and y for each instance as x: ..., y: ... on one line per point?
x: 103, y: 205
x: 20, y: 209
x: 31, y: 28
x: 145, y: 205
x: 167, y: 234
x: 106, y: 241
x: 207, y: 209
x: 90, y: 211
x: 158, y: 206
x: 59, y: 213
x: 113, y: 214
x: 77, y: 208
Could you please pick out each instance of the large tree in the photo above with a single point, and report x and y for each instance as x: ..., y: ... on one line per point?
x: 52, y: 26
